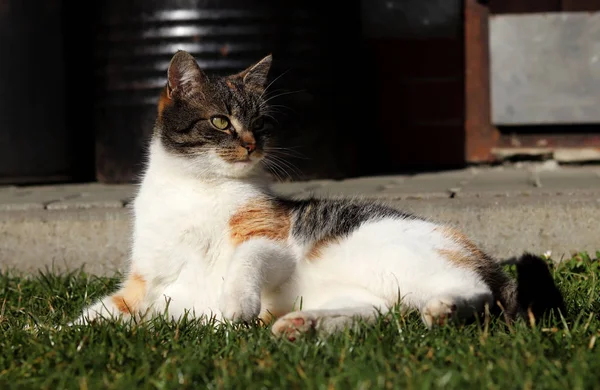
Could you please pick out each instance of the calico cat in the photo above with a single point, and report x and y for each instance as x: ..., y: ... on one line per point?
x: 210, y: 238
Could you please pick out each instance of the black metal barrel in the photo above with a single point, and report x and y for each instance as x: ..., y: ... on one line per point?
x: 136, y: 40
x: 35, y: 144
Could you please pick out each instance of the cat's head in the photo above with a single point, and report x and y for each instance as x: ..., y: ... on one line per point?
x: 217, y: 126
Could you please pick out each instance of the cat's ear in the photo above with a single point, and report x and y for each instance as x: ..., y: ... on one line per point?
x: 184, y: 74
x: 256, y: 75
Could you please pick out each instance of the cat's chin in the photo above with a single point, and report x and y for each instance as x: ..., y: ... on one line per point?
x: 215, y: 166
x: 243, y: 164
x: 242, y: 168
x: 207, y: 166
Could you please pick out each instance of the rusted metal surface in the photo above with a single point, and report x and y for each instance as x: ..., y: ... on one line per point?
x: 565, y: 147
x: 566, y: 140
x: 524, y: 6
x: 486, y: 142
x: 480, y: 135
x: 532, y: 6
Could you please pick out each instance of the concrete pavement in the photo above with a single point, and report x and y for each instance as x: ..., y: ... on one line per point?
x: 506, y: 209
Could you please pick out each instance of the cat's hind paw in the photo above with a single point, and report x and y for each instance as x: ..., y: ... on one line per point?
x: 293, y: 325
x: 439, y: 311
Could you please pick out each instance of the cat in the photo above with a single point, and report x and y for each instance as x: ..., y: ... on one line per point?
x: 211, y: 239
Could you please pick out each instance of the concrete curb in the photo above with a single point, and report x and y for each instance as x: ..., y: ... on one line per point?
x: 98, y: 239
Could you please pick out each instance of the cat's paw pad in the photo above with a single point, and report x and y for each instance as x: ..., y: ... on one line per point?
x: 439, y: 311
x: 240, y: 308
x: 293, y: 325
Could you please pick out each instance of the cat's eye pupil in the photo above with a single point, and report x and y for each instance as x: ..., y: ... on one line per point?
x: 220, y: 122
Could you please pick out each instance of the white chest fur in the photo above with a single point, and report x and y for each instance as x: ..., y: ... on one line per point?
x: 181, y: 233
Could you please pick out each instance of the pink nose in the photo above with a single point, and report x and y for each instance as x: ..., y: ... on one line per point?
x: 249, y: 146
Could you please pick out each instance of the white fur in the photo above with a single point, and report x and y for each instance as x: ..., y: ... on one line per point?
x: 181, y: 247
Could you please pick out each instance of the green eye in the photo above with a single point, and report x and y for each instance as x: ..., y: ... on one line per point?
x: 219, y: 122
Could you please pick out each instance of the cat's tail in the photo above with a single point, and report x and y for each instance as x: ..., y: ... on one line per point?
x: 534, y: 291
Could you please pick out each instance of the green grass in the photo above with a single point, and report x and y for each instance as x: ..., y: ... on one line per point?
x: 398, y: 352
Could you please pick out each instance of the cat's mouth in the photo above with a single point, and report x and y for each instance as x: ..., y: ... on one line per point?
x: 251, y: 159
x: 248, y: 159
x: 239, y: 156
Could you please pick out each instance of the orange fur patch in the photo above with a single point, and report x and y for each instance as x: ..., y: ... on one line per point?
x: 470, y: 256
x: 164, y: 100
x: 232, y: 155
x: 128, y: 299
x: 269, y: 316
x: 260, y: 218
x: 458, y: 257
x: 463, y: 240
x: 230, y: 85
x: 248, y: 137
x: 317, y: 250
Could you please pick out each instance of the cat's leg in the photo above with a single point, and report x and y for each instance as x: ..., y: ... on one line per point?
x: 456, y: 305
x: 335, y: 316
x: 257, y: 265
x: 127, y: 301
x: 323, y: 321
x: 441, y: 285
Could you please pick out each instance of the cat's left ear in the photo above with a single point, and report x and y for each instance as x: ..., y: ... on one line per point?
x: 184, y: 74
x: 256, y: 75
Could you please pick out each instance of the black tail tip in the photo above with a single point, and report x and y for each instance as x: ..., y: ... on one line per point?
x: 536, y: 289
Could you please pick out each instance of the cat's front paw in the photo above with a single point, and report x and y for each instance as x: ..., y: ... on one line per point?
x: 240, y: 307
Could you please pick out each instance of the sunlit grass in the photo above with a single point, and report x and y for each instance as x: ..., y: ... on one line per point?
x: 398, y: 352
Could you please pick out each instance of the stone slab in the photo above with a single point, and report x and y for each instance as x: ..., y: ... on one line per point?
x: 30, y: 199
x: 87, y: 202
x: 104, y: 197
x: 565, y: 179
x: 67, y: 227
x: 63, y: 240
x: 98, y: 239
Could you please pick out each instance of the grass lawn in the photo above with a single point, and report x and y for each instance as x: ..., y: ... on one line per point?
x: 396, y: 353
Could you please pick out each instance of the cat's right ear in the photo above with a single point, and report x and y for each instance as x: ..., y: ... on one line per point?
x: 184, y: 75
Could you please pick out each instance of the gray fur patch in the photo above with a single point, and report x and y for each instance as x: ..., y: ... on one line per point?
x: 318, y: 219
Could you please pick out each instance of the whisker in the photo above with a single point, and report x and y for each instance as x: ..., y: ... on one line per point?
x: 279, y: 106
x: 272, y: 117
x: 271, y: 83
x: 275, y: 107
x: 285, y: 147
x: 284, y: 152
x: 282, y: 168
x: 287, y: 156
x: 281, y: 94
x: 270, y: 170
x: 274, y: 169
x: 280, y: 161
x: 288, y: 153
x: 275, y: 91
